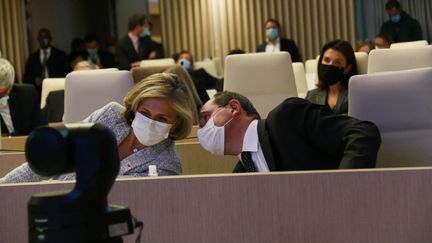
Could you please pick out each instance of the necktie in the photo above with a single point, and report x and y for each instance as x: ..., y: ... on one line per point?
x: 44, y: 64
x: 246, y: 159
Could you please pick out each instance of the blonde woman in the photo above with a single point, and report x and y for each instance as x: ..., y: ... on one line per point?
x: 156, y: 111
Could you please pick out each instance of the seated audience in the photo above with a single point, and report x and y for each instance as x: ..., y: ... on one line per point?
x: 156, y: 111
x: 336, y: 65
x: 382, y: 40
x: 275, y: 43
x: 47, y: 62
x: 297, y: 135
x: 95, y: 55
x: 200, y: 77
x: 364, y: 46
x: 77, y: 48
x: 19, y: 104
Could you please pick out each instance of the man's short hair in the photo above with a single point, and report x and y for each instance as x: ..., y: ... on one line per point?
x: 222, y: 98
x: 393, y: 3
x: 136, y: 20
x: 274, y: 21
x: 7, y: 73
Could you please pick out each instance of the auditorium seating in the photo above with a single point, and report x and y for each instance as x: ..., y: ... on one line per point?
x: 265, y: 78
x: 362, y: 62
x: 408, y: 44
x: 209, y: 66
x: 400, y: 104
x: 157, y: 62
x: 300, y: 79
x: 383, y: 60
x: 88, y: 91
x: 48, y: 85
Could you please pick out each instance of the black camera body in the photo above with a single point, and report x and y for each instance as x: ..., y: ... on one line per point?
x: 82, y: 214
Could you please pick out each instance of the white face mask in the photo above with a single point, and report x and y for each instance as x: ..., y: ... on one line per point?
x: 211, y: 137
x: 149, y: 132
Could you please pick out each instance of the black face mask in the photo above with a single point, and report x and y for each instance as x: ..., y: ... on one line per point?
x: 44, y: 43
x: 330, y: 74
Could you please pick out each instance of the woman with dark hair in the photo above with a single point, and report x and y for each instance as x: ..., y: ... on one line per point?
x: 336, y: 65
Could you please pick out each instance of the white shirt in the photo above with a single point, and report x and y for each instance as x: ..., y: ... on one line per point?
x: 270, y: 47
x: 251, y: 144
x: 42, y: 56
x: 5, y: 113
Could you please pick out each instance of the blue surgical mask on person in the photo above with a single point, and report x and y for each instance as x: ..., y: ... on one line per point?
x: 185, y: 63
x: 92, y: 51
x: 145, y: 32
x: 272, y: 33
x: 395, y: 18
x: 4, y: 100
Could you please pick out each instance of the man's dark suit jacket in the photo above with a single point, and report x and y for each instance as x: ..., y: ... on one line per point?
x: 285, y: 45
x: 299, y: 135
x: 58, y: 66
x: 54, y: 106
x: 24, y: 108
x: 126, y: 54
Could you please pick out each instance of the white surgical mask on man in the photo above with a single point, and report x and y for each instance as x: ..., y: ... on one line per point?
x: 211, y: 137
x: 149, y: 132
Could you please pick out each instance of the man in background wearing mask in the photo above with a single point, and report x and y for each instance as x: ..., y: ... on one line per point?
x: 46, y: 62
x: 19, y: 104
x: 296, y: 135
x: 400, y: 27
x: 96, y: 56
x: 276, y: 43
x: 137, y: 44
x: 202, y: 80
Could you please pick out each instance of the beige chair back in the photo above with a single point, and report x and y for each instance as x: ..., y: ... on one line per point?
x: 408, y: 44
x: 88, y: 91
x: 157, y: 62
x: 384, y: 60
x: 300, y: 79
x: 265, y: 78
x: 362, y: 62
x: 400, y: 104
x: 209, y: 66
x: 48, y: 85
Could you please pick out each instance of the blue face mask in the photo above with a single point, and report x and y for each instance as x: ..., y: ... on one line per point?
x: 272, y: 33
x: 4, y: 101
x: 145, y: 32
x: 92, y: 51
x: 184, y: 63
x: 395, y: 19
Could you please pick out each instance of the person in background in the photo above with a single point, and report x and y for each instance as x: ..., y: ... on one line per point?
x: 382, y: 41
x: 296, y: 135
x: 202, y: 80
x: 275, y: 43
x: 336, y: 65
x: 154, y: 50
x: 400, y: 27
x: 156, y: 112
x: 95, y: 55
x: 364, y: 46
x: 46, y: 62
x: 137, y: 44
x: 19, y: 104
x: 77, y: 48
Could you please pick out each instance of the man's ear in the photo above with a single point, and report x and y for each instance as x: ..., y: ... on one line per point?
x: 235, y: 107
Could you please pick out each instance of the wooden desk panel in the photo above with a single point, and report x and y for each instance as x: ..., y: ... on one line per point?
x: 14, y: 143
x: 339, y: 206
x: 10, y: 160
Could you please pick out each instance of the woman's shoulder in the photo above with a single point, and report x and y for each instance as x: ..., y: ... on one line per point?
x: 110, y: 110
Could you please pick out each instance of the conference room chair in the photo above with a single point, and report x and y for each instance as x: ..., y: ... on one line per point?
x: 408, y: 44
x: 265, y: 78
x: 300, y: 79
x: 384, y: 60
x: 362, y: 62
x: 400, y: 104
x: 88, y: 91
x: 157, y: 62
x: 209, y: 66
x: 49, y: 85
x: 140, y: 73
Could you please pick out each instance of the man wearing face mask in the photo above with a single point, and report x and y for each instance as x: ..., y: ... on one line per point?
x: 46, y: 62
x: 202, y: 80
x: 137, y: 44
x: 400, y: 27
x: 275, y: 43
x: 19, y: 104
x: 96, y: 56
x: 336, y: 65
x: 296, y: 135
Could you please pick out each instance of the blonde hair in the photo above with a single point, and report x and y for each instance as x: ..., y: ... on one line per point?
x: 162, y: 85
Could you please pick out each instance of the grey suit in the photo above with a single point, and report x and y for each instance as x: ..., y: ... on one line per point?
x: 319, y: 96
x: 162, y: 155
